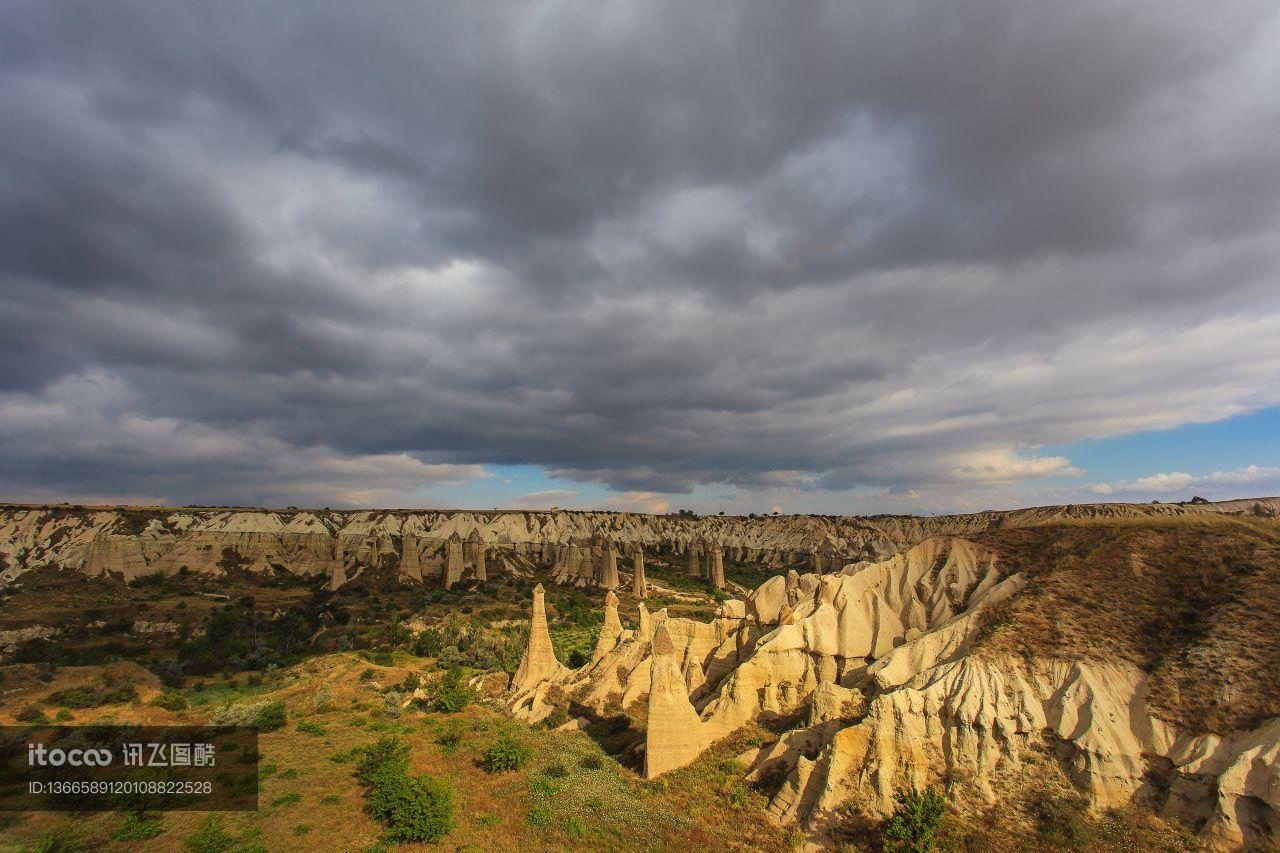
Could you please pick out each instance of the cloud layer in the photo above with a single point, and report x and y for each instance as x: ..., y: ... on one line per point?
x: 351, y: 255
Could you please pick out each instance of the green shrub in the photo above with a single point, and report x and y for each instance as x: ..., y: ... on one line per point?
x: 323, y: 700
x: 211, y: 837
x: 138, y: 827
x: 289, y: 799
x: 386, y: 752
x: 346, y: 756
x: 263, y: 716
x: 555, y: 771
x: 92, y: 697
x: 505, y: 755
x: 62, y: 716
x: 449, y: 738
x: 556, y: 718
x: 449, y: 694
x: 1060, y: 821
x: 311, y: 727
x: 591, y: 762
x: 914, y: 823
x: 301, y: 829
x: 413, y: 808
x: 170, y: 700
x: 540, y: 817
x: 68, y: 838
x: 33, y: 715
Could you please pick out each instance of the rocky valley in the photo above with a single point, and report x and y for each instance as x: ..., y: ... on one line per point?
x: 1076, y: 677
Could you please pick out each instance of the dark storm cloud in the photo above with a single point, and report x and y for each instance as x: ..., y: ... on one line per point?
x: 655, y: 245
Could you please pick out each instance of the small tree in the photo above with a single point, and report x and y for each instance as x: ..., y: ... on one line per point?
x: 914, y: 823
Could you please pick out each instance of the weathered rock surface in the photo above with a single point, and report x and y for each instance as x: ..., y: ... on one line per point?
x: 135, y: 541
x: 878, y: 662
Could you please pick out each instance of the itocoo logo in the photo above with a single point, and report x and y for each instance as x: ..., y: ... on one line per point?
x: 39, y: 755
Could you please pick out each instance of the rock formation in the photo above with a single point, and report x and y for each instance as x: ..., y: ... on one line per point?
x: 692, y: 570
x: 130, y: 543
x: 715, y: 566
x: 453, y: 568
x: 539, y: 662
x: 611, y: 630
x: 674, y: 736
x: 410, y: 565
x: 482, y: 571
x: 339, y: 576
x: 639, y: 588
x: 876, y: 659
x: 609, y: 571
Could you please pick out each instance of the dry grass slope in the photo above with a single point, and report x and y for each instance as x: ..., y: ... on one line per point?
x: 1194, y: 601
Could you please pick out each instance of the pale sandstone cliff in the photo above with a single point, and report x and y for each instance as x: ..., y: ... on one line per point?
x: 876, y: 661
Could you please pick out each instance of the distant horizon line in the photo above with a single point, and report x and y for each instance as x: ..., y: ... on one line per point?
x: 551, y: 509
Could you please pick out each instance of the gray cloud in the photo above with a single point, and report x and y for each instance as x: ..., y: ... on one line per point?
x: 652, y: 245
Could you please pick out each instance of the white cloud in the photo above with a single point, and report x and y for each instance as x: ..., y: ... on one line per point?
x: 1006, y: 465
x: 1181, y: 481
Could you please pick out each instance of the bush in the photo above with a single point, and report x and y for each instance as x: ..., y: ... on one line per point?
x: 69, y: 838
x: 138, y: 827
x: 413, y: 808
x: 449, y: 694
x: 92, y: 697
x: 263, y: 716
x: 555, y: 771
x: 505, y: 755
x: 1060, y: 821
x: 386, y: 752
x: 311, y: 727
x: 170, y: 700
x: 449, y: 738
x: 211, y: 837
x: 914, y: 823
x: 33, y: 715
x: 540, y: 817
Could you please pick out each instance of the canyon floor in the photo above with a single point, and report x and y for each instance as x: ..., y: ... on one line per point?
x: 1075, y: 680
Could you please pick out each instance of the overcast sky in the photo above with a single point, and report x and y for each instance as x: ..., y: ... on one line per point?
x: 848, y: 257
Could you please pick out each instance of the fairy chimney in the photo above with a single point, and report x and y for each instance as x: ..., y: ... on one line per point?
x: 639, y: 588
x: 539, y: 662
x: 611, y: 630
x: 674, y: 735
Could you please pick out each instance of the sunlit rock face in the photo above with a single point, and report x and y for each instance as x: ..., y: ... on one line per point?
x: 876, y: 663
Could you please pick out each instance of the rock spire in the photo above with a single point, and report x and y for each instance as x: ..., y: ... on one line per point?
x: 674, y: 735
x: 539, y: 662
x: 639, y: 588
